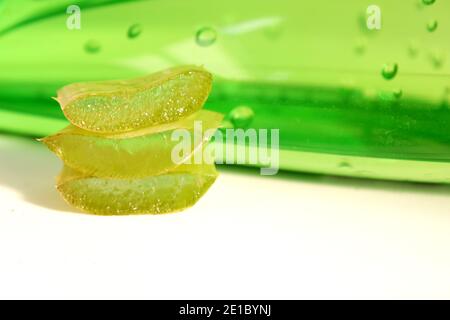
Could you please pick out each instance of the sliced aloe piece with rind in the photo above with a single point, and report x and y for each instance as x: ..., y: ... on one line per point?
x: 159, y: 194
x: 127, y: 105
x: 131, y: 155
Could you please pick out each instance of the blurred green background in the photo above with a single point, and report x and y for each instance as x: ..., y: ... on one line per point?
x: 312, y: 69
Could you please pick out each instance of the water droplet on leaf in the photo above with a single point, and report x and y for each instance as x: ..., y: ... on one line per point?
x: 134, y: 31
x: 437, y: 58
x: 205, y: 36
x: 241, y: 116
x: 92, y: 46
x: 389, y: 71
x: 397, y: 93
x: 432, y: 25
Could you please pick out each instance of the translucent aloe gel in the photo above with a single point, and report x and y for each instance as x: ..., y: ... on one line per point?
x: 118, y: 151
x: 347, y: 100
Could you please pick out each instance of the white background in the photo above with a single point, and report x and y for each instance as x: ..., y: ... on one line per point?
x: 250, y: 237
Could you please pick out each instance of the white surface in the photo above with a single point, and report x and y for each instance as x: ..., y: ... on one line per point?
x: 291, y: 236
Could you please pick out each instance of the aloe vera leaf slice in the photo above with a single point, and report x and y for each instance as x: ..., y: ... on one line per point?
x: 170, y: 192
x: 127, y: 105
x: 131, y: 155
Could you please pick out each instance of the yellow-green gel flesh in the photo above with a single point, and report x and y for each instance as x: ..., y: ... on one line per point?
x: 127, y: 105
x: 130, y: 155
x: 158, y: 194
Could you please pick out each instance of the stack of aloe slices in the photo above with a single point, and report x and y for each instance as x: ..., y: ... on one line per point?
x: 118, y: 151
